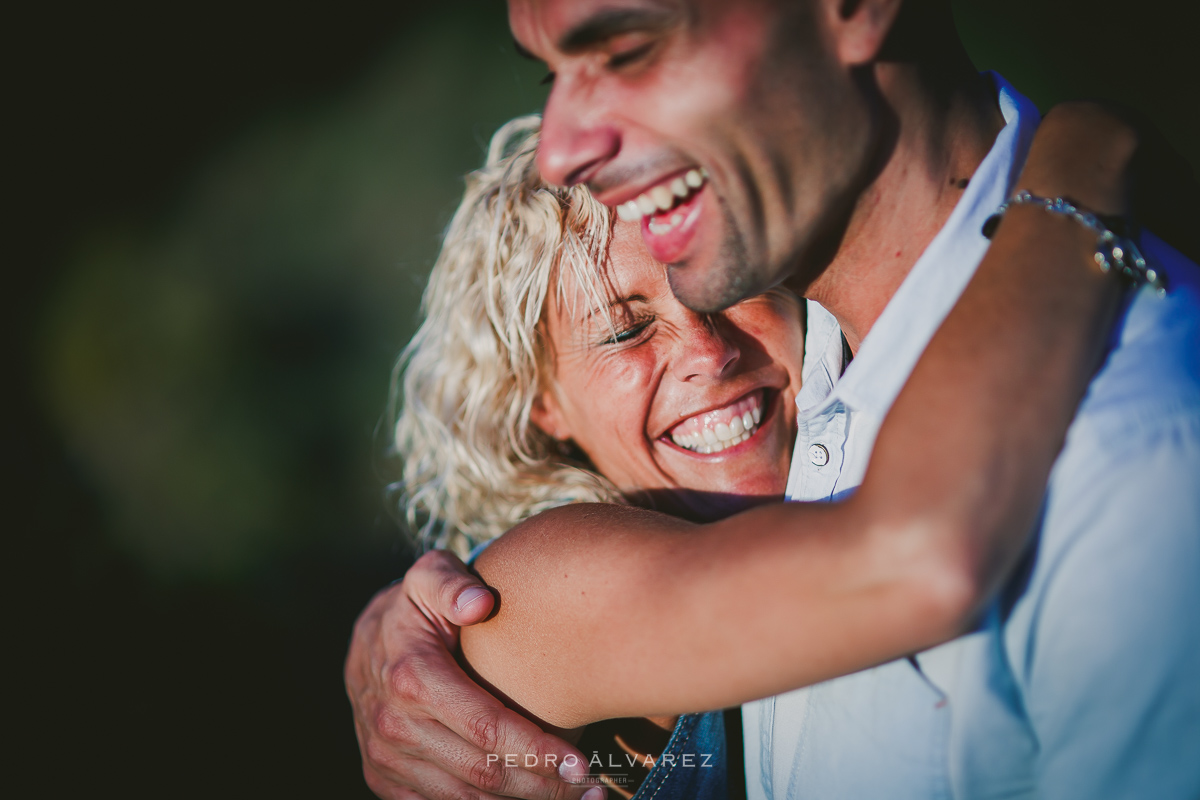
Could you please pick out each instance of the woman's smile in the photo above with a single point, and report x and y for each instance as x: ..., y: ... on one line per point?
x: 718, y: 430
x: 663, y: 399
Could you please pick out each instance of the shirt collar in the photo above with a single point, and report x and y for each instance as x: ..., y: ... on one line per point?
x: 895, y: 343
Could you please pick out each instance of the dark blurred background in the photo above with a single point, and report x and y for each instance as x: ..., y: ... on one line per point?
x: 224, y: 216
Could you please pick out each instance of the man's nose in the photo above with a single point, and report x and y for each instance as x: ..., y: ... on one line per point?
x: 705, y: 352
x: 573, y: 141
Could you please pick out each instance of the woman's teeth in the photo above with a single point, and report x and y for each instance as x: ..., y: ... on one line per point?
x: 663, y: 197
x: 714, y: 431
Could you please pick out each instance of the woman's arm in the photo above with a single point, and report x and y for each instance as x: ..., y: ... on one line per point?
x: 608, y: 612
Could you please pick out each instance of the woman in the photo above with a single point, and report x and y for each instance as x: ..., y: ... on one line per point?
x: 538, y: 381
x: 518, y: 308
x: 517, y: 311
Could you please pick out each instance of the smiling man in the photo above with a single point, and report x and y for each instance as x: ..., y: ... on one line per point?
x: 726, y: 130
x: 847, y: 150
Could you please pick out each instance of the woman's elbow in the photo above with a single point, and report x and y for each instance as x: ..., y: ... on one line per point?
x: 941, y: 585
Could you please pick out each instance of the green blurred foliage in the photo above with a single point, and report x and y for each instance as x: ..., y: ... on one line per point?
x: 219, y: 373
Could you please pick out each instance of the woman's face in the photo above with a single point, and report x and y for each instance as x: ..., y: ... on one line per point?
x: 696, y: 410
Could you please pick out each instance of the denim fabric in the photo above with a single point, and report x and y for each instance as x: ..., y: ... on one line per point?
x: 693, y: 765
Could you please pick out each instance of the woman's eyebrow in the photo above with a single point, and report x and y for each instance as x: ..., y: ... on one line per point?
x: 617, y: 301
x: 609, y: 22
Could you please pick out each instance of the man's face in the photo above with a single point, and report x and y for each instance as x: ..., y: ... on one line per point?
x: 730, y: 129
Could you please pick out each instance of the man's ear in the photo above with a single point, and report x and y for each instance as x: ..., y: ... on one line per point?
x: 546, y: 413
x: 860, y: 27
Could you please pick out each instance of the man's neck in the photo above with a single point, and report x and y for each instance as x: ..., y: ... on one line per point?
x: 939, y: 141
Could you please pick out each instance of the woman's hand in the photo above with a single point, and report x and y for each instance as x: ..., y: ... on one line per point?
x: 1083, y: 151
x: 424, y: 728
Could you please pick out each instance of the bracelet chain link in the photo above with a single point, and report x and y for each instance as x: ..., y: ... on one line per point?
x: 1112, y: 250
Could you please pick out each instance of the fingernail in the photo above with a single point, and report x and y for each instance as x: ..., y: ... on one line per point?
x: 594, y: 793
x: 573, y: 770
x: 468, y: 596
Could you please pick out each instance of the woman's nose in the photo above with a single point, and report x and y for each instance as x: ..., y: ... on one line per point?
x: 573, y: 142
x: 705, y: 352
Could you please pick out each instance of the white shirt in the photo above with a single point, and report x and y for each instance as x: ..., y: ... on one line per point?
x: 1084, y: 679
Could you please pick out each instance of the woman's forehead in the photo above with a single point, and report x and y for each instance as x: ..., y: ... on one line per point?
x: 628, y: 271
x: 628, y: 258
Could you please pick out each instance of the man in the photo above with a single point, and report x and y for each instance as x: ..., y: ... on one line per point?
x: 849, y: 153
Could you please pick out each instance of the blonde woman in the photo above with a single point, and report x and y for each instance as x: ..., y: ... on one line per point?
x: 474, y: 465
x: 516, y: 303
x: 555, y: 368
x: 480, y: 385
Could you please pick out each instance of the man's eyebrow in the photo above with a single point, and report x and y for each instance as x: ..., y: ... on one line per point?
x: 609, y: 22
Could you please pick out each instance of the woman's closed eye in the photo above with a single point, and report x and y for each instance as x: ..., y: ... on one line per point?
x: 629, y: 333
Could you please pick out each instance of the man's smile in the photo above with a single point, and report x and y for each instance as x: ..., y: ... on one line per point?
x: 663, y: 196
x: 668, y: 213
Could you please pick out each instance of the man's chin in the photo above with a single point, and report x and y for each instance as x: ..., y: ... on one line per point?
x: 716, y: 271
x: 712, y: 289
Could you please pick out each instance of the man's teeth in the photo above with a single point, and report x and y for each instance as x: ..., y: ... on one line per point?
x: 663, y: 197
x: 714, y: 431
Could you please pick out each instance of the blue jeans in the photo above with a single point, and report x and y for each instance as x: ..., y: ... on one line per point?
x: 694, y: 764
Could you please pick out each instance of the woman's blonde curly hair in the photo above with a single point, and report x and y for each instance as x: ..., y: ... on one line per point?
x: 473, y: 465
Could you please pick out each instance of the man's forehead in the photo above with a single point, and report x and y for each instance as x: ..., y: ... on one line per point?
x: 544, y: 26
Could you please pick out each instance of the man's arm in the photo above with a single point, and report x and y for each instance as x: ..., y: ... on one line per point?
x: 791, y: 594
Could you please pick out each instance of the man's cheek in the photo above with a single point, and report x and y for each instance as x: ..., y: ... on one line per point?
x: 694, y: 96
x: 733, y: 63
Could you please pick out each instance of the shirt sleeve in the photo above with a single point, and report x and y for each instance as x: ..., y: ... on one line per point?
x: 1111, y: 657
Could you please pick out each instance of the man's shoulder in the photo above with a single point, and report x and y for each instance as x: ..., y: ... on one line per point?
x: 1121, y: 524
x: 1151, y: 376
x: 1138, y: 427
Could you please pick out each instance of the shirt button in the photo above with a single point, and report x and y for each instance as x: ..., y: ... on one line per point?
x: 818, y: 455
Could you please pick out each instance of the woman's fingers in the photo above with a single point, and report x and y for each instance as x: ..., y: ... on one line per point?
x: 1083, y: 150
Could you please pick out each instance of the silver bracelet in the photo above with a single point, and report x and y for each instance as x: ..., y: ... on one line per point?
x: 1112, y: 251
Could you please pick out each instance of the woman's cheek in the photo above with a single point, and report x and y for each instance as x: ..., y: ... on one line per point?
x: 620, y: 395
x: 622, y: 372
